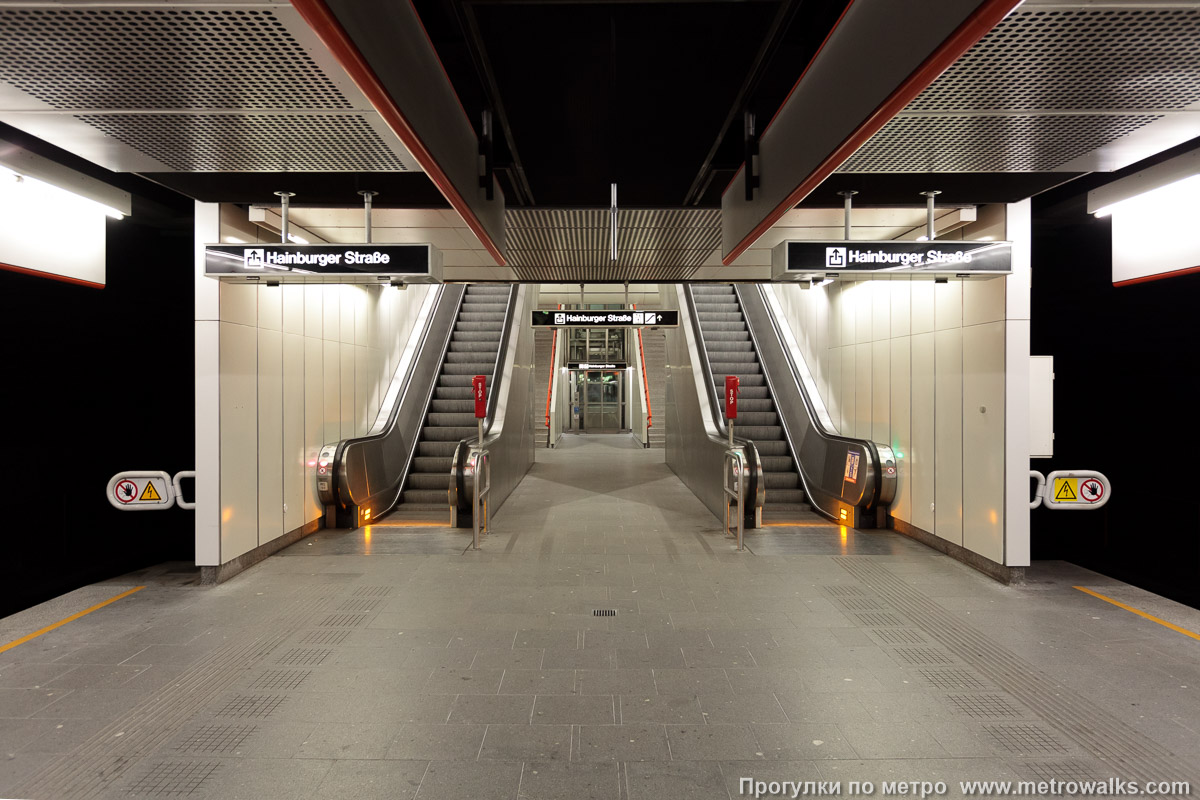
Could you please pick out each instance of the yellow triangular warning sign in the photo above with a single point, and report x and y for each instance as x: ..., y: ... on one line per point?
x: 1065, y: 492
x: 150, y: 494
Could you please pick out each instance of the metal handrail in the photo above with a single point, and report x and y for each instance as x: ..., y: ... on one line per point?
x: 479, y: 504
x: 494, y: 391
x: 645, y: 380
x: 735, y: 458
x: 550, y: 382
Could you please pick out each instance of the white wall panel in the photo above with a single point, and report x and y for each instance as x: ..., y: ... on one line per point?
x: 239, y: 440
x: 314, y: 420
x: 270, y: 307
x: 901, y: 311
x: 881, y: 309
x: 239, y: 303
x: 364, y: 390
x: 879, y: 421
x: 1017, y: 286
x: 983, y: 300
x: 864, y: 309
x: 348, y: 297
x: 331, y: 414
x: 207, y: 392
x: 314, y: 310
x: 349, y: 423
x: 862, y: 388
x: 947, y: 305
x: 983, y: 439
x: 948, y: 521
x: 293, y: 308
x: 270, y: 429
x: 849, y: 382
x: 901, y: 425
x: 293, y: 428
x: 847, y: 308
x: 208, y: 291
x: 922, y: 305
x: 365, y: 301
x: 331, y: 308
x: 834, y: 396
x: 1016, y: 445
x: 922, y: 451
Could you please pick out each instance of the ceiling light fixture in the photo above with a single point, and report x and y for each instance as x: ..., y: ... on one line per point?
x: 1168, y: 175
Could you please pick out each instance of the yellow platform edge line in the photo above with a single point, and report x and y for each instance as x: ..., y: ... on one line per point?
x: 71, y: 618
x: 1143, y: 614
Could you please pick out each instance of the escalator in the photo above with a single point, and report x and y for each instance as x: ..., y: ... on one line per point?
x: 797, y: 461
x: 410, y: 463
x: 727, y: 341
x: 474, y: 346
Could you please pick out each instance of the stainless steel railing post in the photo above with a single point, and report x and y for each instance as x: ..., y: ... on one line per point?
x: 735, y: 459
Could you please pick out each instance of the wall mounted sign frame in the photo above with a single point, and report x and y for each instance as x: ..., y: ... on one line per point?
x: 605, y: 319
x: 805, y: 260
x: 324, y: 263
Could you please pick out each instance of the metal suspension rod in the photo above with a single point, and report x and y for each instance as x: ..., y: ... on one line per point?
x: 930, y: 233
x: 366, y: 196
x: 847, y: 194
x: 284, y: 198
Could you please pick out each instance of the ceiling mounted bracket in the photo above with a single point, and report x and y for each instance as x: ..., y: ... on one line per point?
x: 486, y: 152
x: 750, y: 153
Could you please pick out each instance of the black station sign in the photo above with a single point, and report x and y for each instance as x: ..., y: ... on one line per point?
x: 300, y: 262
x: 793, y: 259
x: 605, y: 319
x: 596, y: 365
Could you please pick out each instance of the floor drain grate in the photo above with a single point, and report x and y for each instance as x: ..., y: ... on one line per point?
x: 952, y: 679
x: 899, y: 636
x: 1024, y: 739
x: 175, y: 778
x: 325, y: 637
x: 604, y: 612
x: 923, y: 656
x: 880, y: 619
x: 258, y: 706
x: 983, y: 705
x: 304, y: 656
x: 343, y: 620
x: 217, y: 738
x: 860, y: 604
x: 278, y: 680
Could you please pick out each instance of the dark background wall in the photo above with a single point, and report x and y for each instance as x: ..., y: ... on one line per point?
x: 1125, y: 401
x: 97, y: 381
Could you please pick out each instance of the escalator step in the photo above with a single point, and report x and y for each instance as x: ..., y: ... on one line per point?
x: 480, y: 335
x: 769, y: 463
x: 483, y: 288
x: 768, y: 448
x: 425, y: 497
x: 714, y: 325
x: 781, y: 480
x: 453, y: 392
x: 473, y: 326
x: 437, y: 449
x: 747, y: 392
x: 496, y: 317
x: 455, y: 380
x: 723, y: 367
x: 434, y: 481
x: 735, y: 345
x: 467, y: 346
x: 718, y: 316
x: 446, y: 434
x: 730, y: 356
x: 706, y: 307
x: 756, y: 418
x: 441, y: 464
x: 757, y: 433
x: 747, y: 378
x: 466, y: 406
x: 712, y: 289
x: 748, y: 404
x: 451, y: 420
x: 469, y: 368
x: 471, y: 356
x: 784, y: 496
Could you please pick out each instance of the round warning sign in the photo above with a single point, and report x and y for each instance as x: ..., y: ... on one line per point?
x: 1091, y: 490
x: 125, y: 491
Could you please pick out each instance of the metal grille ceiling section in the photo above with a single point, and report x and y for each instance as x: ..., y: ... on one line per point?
x: 240, y: 86
x: 575, y: 244
x: 1054, y: 87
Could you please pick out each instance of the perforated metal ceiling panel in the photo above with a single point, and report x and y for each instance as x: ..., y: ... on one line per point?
x: 1054, y: 87
x: 575, y: 244
x: 240, y: 86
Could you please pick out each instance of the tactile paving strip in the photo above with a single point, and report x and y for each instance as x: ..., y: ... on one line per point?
x: 1024, y: 739
x: 372, y: 591
x: 898, y: 636
x: 343, y: 620
x: 1070, y: 770
x: 952, y: 679
x: 217, y: 738
x: 860, y: 604
x: 360, y: 604
x: 881, y: 619
x: 280, y: 680
x: 923, y: 656
x: 304, y: 656
x: 844, y: 590
x: 325, y: 637
x: 983, y: 705
x: 174, y: 779
x: 1099, y: 733
x: 256, y: 706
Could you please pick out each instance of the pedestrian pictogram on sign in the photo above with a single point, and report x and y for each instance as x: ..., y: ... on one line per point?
x: 149, y: 494
x: 1091, y: 490
x: 1066, y: 490
x: 126, y: 491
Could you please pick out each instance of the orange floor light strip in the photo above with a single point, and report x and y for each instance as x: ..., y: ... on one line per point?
x: 1143, y: 614
x: 72, y: 618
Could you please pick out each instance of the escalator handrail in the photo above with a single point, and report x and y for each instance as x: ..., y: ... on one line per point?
x: 342, y: 484
x: 494, y: 389
x: 871, y: 468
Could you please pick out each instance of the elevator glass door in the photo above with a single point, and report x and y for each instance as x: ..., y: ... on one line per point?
x: 603, y: 400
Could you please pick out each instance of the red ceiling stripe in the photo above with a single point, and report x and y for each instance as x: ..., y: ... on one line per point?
x: 39, y: 274
x: 325, y: 25
x: 987, y: 16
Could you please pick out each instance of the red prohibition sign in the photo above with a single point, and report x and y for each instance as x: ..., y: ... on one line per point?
x: 1091, y: 490
x: 126, y: 491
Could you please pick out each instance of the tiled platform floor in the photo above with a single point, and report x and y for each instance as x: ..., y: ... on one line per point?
x: 391, y: 663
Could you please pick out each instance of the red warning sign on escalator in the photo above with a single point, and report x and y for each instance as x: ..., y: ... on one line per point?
x: 1091, y: 490
x: 479, y: 392
x: 731, y: 392
x: 125, y: 491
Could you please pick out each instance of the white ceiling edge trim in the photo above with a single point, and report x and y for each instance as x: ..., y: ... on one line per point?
x: 23, y: 162
x: 1167, y: 172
